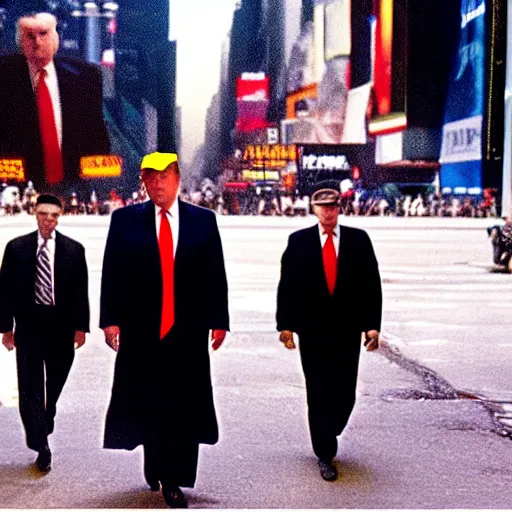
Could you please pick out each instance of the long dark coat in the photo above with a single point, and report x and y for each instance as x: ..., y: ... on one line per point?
x: 83, y: 128
x: 162, y: 385
x: 329, y: 327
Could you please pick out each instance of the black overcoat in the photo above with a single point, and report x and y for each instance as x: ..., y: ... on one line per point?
x: 329, y: 327
x: 165, y: 383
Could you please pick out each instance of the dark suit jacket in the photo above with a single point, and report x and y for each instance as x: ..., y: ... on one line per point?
x: 172, y: 375
x: 83, y: 127
x: 304, y: 303
x: 17, y: 277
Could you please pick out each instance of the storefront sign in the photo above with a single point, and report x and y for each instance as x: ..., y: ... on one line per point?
x: 325, y: 162
x: 256, y: 175
x: 101, y: 166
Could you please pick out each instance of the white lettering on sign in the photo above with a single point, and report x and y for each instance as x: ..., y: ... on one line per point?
x: 471, y: 15
x: 325, y: 162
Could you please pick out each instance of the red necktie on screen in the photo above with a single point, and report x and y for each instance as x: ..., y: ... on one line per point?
x: 52, y: 156
x: 330, y: 262
x: 166, y: 247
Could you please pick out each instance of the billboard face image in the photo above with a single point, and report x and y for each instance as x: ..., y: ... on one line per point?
x: 110, y: 86
x: 461, y: 151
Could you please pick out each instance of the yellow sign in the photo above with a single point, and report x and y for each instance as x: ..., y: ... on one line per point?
x: 261, y: 155
x: 251, y: 175
x: 101, y: 166
x: 12, y: 169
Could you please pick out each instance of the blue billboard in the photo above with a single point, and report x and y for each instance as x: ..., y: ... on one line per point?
x: 461, y: 151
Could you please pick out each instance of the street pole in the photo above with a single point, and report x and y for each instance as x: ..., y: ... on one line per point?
x: 506, y: 198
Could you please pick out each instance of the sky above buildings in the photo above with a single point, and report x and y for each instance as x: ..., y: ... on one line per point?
x: 199, y: 27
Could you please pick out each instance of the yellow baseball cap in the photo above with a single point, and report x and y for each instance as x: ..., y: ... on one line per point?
x: 158, y: 161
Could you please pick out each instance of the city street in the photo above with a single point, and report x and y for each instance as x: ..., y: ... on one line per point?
x: 430, y: 428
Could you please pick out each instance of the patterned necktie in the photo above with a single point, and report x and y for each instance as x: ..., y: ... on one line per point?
x: 52, y: 156
x: 43, y: 285
x: 330, y: 262
x: 165, y: 244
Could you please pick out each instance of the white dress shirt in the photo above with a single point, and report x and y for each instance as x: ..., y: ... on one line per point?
x: 51, y: 254
x: 336, y: 237
x: 53, y: 87
x: 173, y: 216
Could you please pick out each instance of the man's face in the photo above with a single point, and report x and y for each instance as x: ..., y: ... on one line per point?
x: 47, y: 216
x: 162, y: 186
x: 327, y: 215
x: 38, y: 41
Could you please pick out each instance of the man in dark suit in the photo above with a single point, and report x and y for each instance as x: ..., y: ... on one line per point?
x: 51, y: 110
x: 163, y: 289
x: 329, y: 294
x: 44, y: 314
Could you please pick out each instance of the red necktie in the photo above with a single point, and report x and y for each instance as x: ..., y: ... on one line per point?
x: 52, y: 156
x: 165, y: 245
x: 330, y: 262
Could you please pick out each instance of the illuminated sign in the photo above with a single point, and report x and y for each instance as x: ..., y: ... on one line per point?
x: 270, y: 152
x: 325, y: 162
x: 12, y: 169
x: 101, y: 166
x: 256, y: 175
x: 252, y: 89
x: 471, y: 15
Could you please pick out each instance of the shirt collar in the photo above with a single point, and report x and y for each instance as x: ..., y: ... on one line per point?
x: 34, y: 70
x: 40, y: 239
x: 172, y: 211
x: 335, y: 231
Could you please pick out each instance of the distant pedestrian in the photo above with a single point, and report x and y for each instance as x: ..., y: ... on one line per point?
x: 43, y: 292
x: 329, y: 294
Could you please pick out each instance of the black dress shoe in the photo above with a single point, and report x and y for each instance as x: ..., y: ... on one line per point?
x: 174, y: 497
x: 44, y: 460
x: 328, y: 470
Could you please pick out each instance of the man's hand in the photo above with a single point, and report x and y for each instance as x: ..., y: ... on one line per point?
x: 8, y: 340
x: 286, y: 337
x: 218, y: 336
x: 79, y: 339
x: 372, y: 340
x: 112, y: 336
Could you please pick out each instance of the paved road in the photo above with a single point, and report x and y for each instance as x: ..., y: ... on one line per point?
x: 446, y: 321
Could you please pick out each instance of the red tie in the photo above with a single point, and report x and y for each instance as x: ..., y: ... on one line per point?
x: 53, y: 167
x: 165, y: 244
x: 330, y: 262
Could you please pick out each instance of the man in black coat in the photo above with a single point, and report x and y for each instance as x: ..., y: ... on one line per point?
x: 329, y: 294
x: 76, y: 106
x: 44, y: 314
x: 163, y: 289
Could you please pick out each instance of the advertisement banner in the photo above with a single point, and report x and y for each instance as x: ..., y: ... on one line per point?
x: 337, y: 29
x: 461, y: 152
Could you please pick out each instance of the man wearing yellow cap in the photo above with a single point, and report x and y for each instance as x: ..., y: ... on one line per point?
x: 163, y: 289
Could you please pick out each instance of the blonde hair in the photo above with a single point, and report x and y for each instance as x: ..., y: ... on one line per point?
x: 46, y: 18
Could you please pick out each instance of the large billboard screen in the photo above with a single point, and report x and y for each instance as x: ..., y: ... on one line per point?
x: 115, y: 80
x: 389, y: 73
x: 461, y: 151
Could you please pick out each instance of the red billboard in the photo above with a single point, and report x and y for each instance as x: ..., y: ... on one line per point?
x: 252, y: 87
